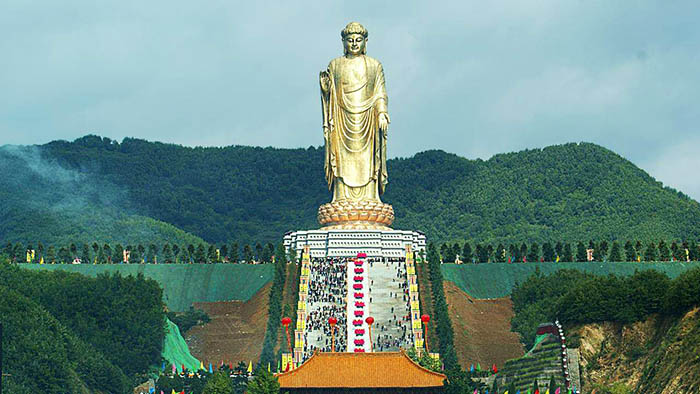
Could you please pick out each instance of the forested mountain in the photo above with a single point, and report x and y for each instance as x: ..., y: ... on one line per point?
x: 41, y: 200
x: 68, y: 333
x: 566, y: 192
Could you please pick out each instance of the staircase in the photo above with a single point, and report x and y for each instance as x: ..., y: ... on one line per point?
x: 352, y: 289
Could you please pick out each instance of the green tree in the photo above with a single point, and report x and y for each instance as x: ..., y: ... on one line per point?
x: 168, y: 257
x: 176, y: 253
x: 639, y: 248
x: 247, y: 254
x: 467, y: 252
x: 552, y: 386
x: 513, y: 252
x: 135, y: 255
x: 118, y: 255
x: 677, y: 252
x: 211, y: 254
x: 107, y: 253
x: 581, y: 254
x: 64, y: 255
x: 482, y: 253
x: 263, y: 383
x: 559, y: 249
x: 19, y: 252
x: 219, y: 383
x: 500, y: 253
x: 650, y: 252
x: 235, y: 257
x: 152, y: 254
x: 141, y: 252
x: 85, y: 254
x: 601, y: 252
x: 630, y: 252
x: 534, y: 254
x: 615, y: 253
x: 8, y: 249
x: 73, y: 250
x: 664, y: 253
x: 567, y: 255
x: 200, y: 255
x: 694, y: 251
x: 267, y: 253
x: 548, y: 252
x: 258, y: 251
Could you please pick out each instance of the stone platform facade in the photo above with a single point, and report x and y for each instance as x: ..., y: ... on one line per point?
x: 350, y: 242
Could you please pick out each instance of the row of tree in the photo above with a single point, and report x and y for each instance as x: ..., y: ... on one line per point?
x: 151, y: 253
x: 563, y: 251
x: 274, y: 312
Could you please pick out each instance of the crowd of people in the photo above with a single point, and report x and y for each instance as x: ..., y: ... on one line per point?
x: 326, y: 299
x: 393, y: 332
x: 389, y: 304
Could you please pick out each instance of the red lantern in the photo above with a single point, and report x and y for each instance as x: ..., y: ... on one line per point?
x: 286, y: 321
x: 369, y: 320
x: 425, y: 319
x: 332, y: 321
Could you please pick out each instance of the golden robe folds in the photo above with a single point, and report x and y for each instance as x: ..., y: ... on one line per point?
x: 355, y: 161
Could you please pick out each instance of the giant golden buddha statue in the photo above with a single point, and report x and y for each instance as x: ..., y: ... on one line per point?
x: 355, y: 126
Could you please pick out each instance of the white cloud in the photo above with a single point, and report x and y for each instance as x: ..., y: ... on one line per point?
x: 473, y: 78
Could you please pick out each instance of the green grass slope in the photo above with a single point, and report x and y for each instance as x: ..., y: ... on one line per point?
x: 184, y: 284
x: 496, y: 280
x: 565, y: 192
x: 43, y: 201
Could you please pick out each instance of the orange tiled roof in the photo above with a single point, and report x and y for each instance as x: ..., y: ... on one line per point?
x: 360, y: 370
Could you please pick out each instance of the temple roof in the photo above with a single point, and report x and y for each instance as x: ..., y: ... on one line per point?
x: 360, y: 370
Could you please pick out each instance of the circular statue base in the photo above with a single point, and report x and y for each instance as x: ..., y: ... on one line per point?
x: 356, y: 215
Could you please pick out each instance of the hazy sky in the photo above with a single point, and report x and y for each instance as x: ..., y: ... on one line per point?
x: 473, y: 78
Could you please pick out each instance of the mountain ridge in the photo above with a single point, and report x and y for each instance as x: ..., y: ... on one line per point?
x: 570, y: 192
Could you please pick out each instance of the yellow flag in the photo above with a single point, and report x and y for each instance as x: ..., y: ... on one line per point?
x: 557, y: 259
x: 268, y: 367
x: 201, y: 366
x: 29, y: 257
x: 173, y: 392
x: 250, y: 367
x: 42, y: 260
x: 506, y: 392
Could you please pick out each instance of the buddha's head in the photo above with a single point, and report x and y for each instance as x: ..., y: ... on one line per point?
x: 354, y: 39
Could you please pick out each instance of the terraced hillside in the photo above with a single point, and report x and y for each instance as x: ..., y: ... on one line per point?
x: 496, y: 280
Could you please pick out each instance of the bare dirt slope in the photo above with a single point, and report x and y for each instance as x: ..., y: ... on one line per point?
x: 657, y: 356
x: 482, y: 328
x: 235, y: 332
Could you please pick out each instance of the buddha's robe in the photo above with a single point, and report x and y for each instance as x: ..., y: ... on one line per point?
x: 355, y: 161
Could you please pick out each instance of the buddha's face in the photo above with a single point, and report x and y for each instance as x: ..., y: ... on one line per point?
x: 354, y: 44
